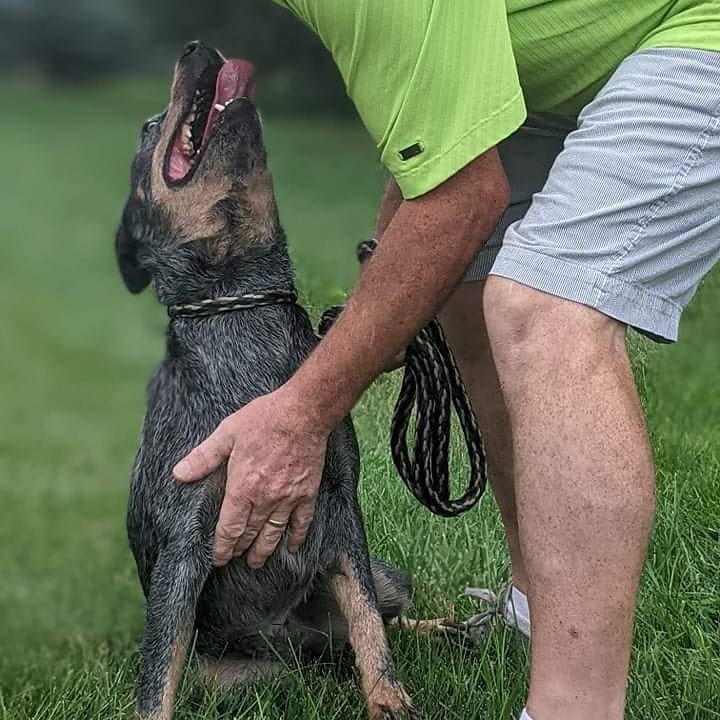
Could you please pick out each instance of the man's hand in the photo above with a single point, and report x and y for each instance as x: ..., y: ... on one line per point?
x: 275, y: 455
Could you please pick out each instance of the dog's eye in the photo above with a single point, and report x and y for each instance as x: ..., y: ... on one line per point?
x: 152, y: 123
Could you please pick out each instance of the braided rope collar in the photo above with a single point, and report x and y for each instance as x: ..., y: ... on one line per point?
x: 232, y: 303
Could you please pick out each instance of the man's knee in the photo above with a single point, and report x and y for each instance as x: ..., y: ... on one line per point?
x: 529, y: 329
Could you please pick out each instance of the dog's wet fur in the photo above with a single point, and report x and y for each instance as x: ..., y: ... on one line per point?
x: 217, y: 233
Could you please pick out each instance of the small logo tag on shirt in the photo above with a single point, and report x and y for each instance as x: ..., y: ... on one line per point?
x: 410, y: 152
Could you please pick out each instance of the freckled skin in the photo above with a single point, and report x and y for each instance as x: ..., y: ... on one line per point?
x: 584, y: 480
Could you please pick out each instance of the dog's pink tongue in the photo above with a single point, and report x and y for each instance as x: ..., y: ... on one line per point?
x: 236, y: 79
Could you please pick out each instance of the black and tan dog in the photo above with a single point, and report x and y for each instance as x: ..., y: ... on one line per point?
x: 201, y: 224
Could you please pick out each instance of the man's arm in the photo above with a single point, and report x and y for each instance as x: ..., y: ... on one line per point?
x: 425, y: 249
x: 275, y: 445
x: 390, y: 204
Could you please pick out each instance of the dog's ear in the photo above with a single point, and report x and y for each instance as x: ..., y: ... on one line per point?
x: 127, y: 251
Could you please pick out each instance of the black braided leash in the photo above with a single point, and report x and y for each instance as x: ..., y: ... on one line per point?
x: 214, y: 306
x: 431, y: 388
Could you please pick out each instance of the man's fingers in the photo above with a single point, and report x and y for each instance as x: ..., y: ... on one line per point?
x: 300, y: 524
x: 223, y: 548
x: 269, y: 536
x: 232, y: 522
x: 206, y: 457
x: 252, y: 530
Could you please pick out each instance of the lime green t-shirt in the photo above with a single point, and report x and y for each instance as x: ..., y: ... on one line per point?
x: 438, y: 82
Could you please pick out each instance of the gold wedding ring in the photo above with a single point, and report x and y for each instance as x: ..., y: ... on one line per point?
x: 276, y: 523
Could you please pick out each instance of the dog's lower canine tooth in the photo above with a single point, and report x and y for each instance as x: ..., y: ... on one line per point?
x: 219, y: 107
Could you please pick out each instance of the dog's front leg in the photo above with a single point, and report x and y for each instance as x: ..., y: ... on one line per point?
x: 355, y: 594
x: 177, y: 579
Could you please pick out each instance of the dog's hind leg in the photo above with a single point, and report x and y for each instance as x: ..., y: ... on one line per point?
x: 177, y: 580
x: 318, y: 626
x: 355, y: 594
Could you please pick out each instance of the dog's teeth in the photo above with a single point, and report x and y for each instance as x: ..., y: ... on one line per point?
x: 187, y: 143
x: 220, y: 107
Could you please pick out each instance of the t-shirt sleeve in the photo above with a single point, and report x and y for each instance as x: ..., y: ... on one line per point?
x: 434, y: 81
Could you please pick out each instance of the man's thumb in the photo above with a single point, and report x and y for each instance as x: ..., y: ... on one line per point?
x: 205, y: 458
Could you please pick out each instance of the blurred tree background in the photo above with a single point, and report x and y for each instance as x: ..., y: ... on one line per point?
x: 90, y: 40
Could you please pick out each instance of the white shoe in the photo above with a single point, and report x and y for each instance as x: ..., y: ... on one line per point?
x: 511, y: 606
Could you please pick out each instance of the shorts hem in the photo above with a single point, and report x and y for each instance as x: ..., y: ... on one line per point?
x: 481, y: 265
x: 633, y: 305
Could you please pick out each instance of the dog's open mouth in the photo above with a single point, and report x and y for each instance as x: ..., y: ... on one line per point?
x: 219, y: 85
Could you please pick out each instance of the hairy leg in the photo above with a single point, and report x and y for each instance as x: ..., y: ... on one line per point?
x: 352, y: 589
x: 584, y: 482
x: 464, y: 324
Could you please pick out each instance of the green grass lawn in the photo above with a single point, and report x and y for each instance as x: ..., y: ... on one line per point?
x: 75, y: 353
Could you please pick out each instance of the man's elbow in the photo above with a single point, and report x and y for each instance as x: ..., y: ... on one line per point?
x: 486, y: 194
x: 465, y: 209
x: 495, y: 198
x: 476, y: 198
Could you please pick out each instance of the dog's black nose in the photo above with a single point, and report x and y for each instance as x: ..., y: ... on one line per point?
x: 191, y: 47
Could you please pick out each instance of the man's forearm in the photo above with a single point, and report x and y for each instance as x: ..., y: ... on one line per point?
x: 424, y: 251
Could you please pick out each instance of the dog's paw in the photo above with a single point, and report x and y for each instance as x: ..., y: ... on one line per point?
x: 407, y: 712
x: 395, y: 704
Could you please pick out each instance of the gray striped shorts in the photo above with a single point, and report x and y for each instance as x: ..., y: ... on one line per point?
x: 619, y: 210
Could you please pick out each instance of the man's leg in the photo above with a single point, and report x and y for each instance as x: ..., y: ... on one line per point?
x: 605, y: 238
x: 527, y: 157
x: 464, y: 324
x: 585, y: 492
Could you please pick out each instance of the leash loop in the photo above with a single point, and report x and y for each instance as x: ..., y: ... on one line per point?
x: 431, y: 389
